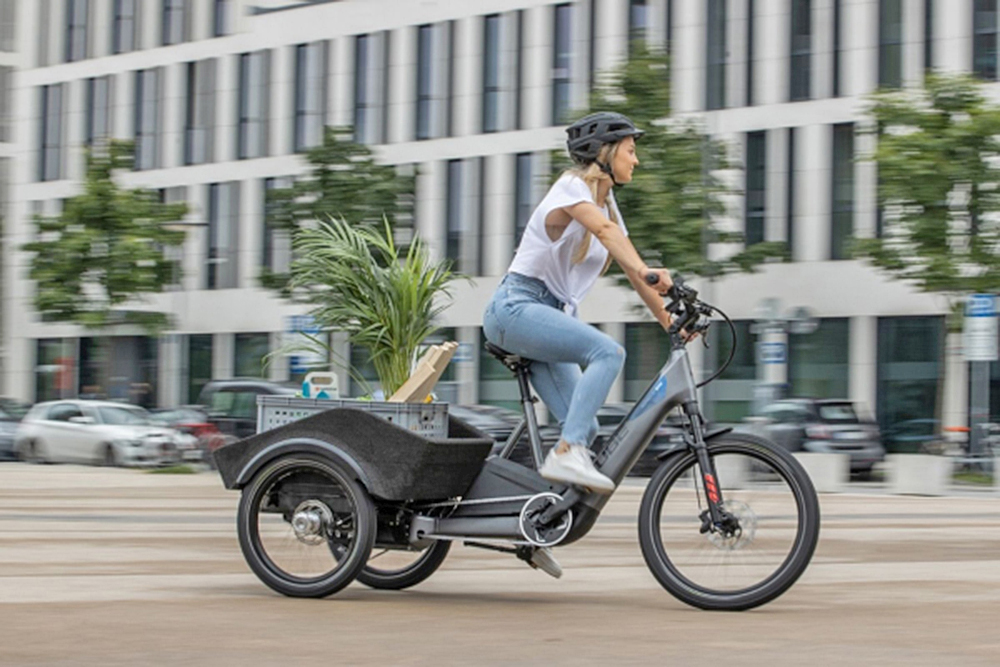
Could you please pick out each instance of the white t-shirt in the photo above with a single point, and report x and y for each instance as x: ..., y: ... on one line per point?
x: 551, y: 261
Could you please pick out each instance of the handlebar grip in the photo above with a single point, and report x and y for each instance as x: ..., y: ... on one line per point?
x: 652, y: 278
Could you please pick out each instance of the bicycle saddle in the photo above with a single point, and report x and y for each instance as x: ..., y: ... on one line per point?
x: 512, y: 361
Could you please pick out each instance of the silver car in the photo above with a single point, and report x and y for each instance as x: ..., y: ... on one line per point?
x: 825, y: 425
x: 101, y: 432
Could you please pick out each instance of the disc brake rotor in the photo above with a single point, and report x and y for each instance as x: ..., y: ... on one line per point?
x: 745, y: 517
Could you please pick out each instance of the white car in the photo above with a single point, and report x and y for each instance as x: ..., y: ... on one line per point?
x: 100, y: 432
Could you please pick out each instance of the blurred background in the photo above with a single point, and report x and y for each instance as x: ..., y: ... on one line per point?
x: 224, y: 104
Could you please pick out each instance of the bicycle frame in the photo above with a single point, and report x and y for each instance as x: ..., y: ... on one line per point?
x: 503, y: 486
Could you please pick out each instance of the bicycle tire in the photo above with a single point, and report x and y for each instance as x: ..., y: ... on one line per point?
x: 796, y: 562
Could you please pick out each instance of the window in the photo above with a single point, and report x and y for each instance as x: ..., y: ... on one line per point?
x: 147, y: 119
x: 450, y: 95
x: 222, y: 18
x: 732, y: 393
x: 491, y: 73
x: 519, y: 72
x: 928, y: 34
x: 123, y: 32
x: 561, y: 58
x: 199, y: 370
x: 8, y: 35
x: 254, y: 105
x: 801, y: 55
x: 6, y: 99
x: 199, y: 113
x: 638, y: 22
x: 76, y: 29
x: 425, y: 68
x: 756, y: 187
x: 42, y: 43
x: 223, y: 235
x: 819, y: 362
x: 751, y: 14
x: 63, y: 412
x: 174, y: 28
x: 909, y: 358
x: 369, y: 88
x: 431, y: 67
x: 836, y: 47
x: 668, y: 14
x: 790, y: 197
x: 250, y: 350
x: 842, y: 200
x: 277, y: 246
x: 984, y: 39
x: 50, y: 149
x: 53, y: 369
x: 99, y: 111
x: 523, y: 200
x: 591, y: 44
x: 715, y: 56
x: 890, y: 43
x: 454, y: 217
x: 310, y: 94
x: 646, y: 350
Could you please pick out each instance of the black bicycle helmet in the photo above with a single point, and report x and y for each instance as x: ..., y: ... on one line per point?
x: 587, y: 135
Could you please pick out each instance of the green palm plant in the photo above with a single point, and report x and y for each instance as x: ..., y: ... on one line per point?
x: 360, y: 283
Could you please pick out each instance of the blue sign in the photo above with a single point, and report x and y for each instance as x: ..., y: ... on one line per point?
x: 302, y: 324
x: 773, y: 353
x: 980, y: 305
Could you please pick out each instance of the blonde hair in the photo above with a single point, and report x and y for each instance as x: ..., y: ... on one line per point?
x: 591, y: 174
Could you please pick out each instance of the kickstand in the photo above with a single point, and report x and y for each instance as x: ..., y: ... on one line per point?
x: 496, y: 547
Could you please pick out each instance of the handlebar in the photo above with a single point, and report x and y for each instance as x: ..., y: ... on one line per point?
x: 692, y: 316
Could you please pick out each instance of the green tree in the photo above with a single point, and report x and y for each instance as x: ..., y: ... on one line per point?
x: 344, y: 182
x: 107, y: 248
x: 675, y: 202
x: 939, y: 188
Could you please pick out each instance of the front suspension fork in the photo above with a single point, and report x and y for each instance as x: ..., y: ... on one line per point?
x: 715, y: 515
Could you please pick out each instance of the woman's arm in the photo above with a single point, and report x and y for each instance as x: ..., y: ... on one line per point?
x: 621, y: 249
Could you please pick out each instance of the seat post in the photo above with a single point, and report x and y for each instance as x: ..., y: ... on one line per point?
x: 528, y: 403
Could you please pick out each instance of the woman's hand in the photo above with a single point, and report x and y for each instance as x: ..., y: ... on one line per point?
x: 663, y: 281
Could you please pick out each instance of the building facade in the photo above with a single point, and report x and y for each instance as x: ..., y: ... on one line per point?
x: 221, y: 97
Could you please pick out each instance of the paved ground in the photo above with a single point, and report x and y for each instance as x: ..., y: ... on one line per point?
x: 113, y: 567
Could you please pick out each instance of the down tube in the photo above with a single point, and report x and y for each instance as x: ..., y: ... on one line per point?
x: 672, y: 387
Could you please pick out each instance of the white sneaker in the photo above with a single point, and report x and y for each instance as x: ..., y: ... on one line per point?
x: 543, y: 560
x: 575, y: 467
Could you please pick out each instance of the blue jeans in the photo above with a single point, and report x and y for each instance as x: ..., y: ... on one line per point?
x: 573, y: 363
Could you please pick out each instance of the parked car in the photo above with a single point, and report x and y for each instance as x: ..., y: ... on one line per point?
x: 231, y: 405
x: 825, y: 425
x: 194, y: 421
x: 11, y: 412
x: 101, y: 432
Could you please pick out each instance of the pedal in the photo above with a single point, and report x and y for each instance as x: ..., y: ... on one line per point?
x: 542, y: 559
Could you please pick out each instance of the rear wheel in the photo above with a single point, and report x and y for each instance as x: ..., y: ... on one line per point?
x: 394, y: 569
x: 776, y: 513
x: 295, y: 515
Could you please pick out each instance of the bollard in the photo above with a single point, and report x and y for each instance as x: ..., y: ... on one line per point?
x: 829, y: 472
x: 919, y: 474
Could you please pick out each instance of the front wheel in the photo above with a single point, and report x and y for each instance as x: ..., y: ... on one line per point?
x: 774, y: 504
x: 306, y: 526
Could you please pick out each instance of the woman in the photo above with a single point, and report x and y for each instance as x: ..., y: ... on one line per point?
x: 533, y: 312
